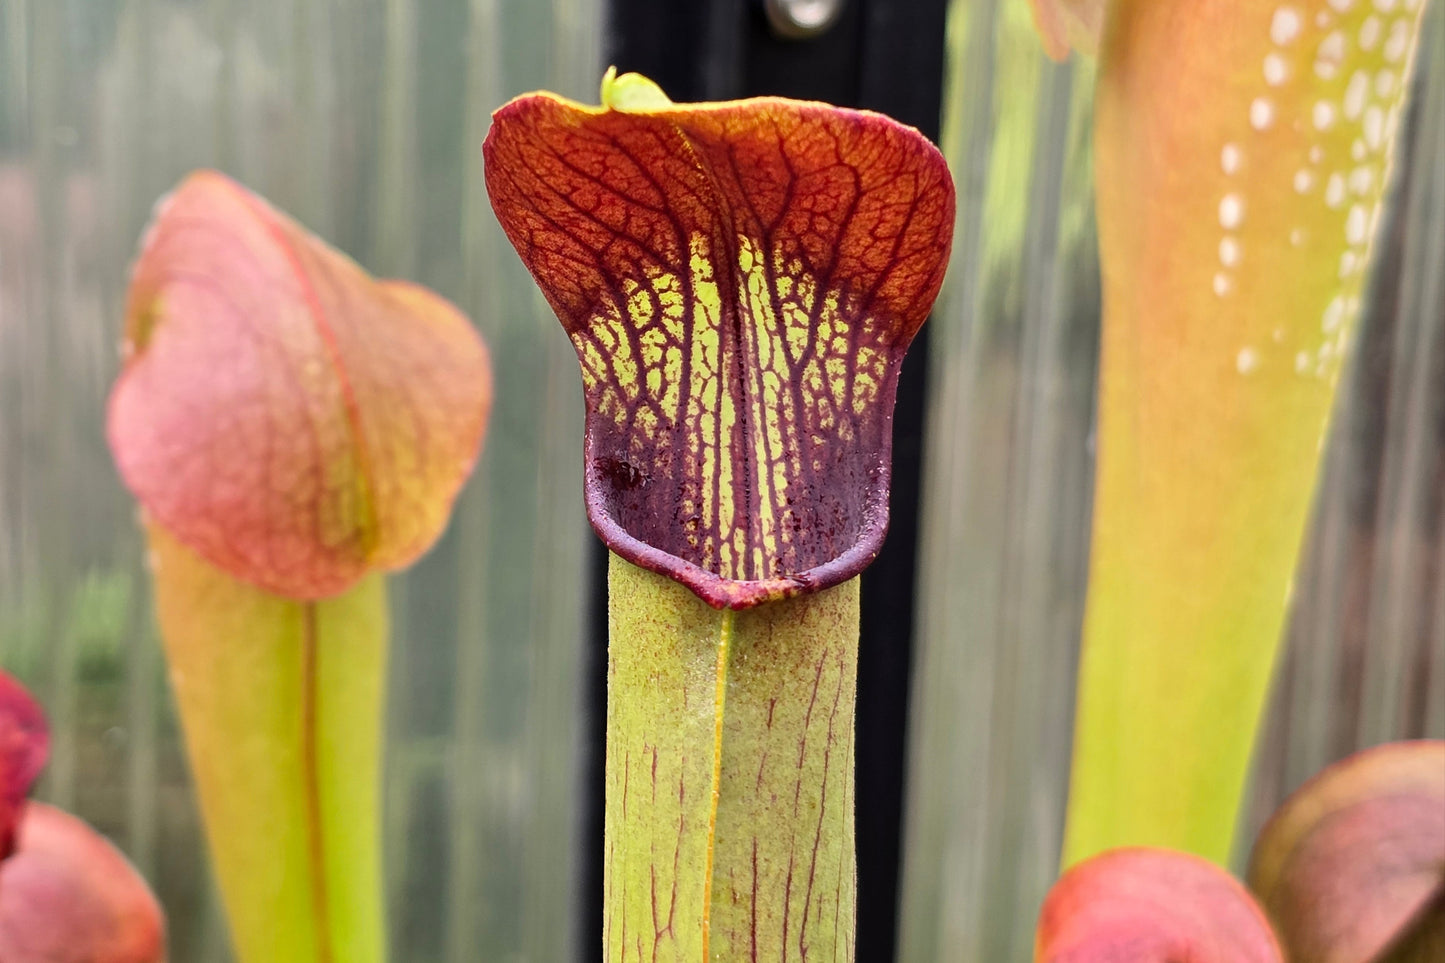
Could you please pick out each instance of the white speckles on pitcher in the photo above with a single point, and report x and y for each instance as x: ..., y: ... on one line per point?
x: 1276, y: 69
x: 1285, y: 26
x: 1261, y: 113
x: 1230, y: 158
x: 1329, y: 55
x: 1231, y: 211
x: 1326, y: 99
x: 1335, y: 191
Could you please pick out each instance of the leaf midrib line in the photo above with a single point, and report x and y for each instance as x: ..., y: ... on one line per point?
x: 724, y: 649
x: 326, y: 334
x: 311, y: 781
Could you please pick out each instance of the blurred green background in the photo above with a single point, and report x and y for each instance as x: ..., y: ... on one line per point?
x: 364, y: 118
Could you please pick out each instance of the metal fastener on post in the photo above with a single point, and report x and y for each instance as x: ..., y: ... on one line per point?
x: 801, y: 19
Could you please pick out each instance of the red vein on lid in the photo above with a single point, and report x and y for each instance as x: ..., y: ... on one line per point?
x: 369, y: 523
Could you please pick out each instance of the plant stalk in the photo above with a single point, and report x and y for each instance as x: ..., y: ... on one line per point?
x: 282, y: 703
x: 729, y: 812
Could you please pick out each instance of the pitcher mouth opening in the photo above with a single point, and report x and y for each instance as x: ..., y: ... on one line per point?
x: 718, y: 590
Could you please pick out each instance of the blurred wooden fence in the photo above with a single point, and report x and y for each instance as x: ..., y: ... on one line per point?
x: 1007, y: 498
x: 364, y: 118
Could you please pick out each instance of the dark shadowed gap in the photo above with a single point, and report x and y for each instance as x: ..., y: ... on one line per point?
x: 885, y: 55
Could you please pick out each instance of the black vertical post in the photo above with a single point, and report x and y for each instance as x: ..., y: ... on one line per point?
x: 884, y: 55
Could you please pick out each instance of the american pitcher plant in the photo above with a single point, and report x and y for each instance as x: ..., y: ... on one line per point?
x: 66, y: 894
x: 740, y: 281
x: 1243, y: 151
x: 1351, y: 869
x: 1149, y: 905
x: 292, y: 429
